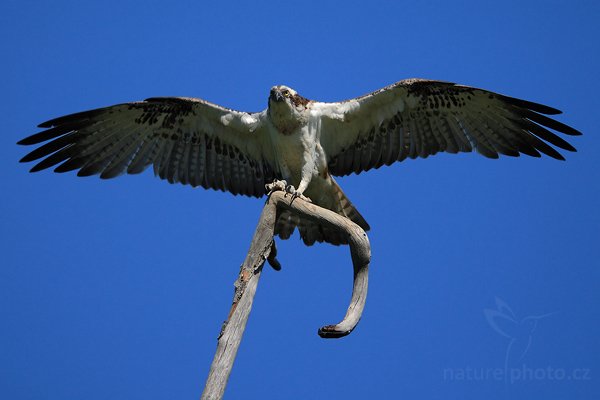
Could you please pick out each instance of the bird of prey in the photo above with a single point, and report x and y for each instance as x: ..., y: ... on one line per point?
x: 302, y: 141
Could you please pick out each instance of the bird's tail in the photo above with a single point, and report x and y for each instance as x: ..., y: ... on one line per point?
x: 346, y: 208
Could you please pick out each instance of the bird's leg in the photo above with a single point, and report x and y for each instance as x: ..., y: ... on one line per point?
x: 299, y: 192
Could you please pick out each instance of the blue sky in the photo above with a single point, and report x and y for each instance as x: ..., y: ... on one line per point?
x: 117, y: 289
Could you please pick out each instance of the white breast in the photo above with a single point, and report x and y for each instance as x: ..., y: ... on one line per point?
x: 299, y: 153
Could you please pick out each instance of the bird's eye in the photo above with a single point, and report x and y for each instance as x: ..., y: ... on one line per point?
x: 286, y: 93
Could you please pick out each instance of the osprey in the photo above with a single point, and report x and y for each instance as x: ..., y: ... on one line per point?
x: 301, y: 141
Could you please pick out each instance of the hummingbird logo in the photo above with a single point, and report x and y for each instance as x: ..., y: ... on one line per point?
x: 519, y: 332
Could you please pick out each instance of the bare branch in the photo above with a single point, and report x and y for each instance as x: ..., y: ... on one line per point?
x: 243, y: 297
x: 263, y: 248
x: 360, y: 251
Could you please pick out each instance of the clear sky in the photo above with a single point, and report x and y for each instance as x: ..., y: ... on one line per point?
x: 117, y: 289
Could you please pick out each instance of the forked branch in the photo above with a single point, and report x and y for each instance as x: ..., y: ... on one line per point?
x: 263, y: 248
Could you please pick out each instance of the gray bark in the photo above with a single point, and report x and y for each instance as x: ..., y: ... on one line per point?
x: 263, y: 248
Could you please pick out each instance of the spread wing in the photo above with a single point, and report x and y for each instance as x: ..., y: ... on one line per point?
x: 187, y: 140
x: 417, y: 118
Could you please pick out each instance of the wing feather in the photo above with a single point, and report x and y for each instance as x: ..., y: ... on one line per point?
x: 194, y: 164
x: 184, y: 170
x: 187, y: 140
x: 434, y: 137
x: 142, y: 158
x: 419, y: 118
x: 390, y: 147
x: 124, y: 153
x: 405, y: 143
x: 201, y: 170
x: 476, y: 131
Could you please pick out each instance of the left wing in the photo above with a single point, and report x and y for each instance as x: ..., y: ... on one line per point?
x: 417, y: 118
x: 187, y: 140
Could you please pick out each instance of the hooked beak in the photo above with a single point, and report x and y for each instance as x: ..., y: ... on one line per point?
x: 276, y: 95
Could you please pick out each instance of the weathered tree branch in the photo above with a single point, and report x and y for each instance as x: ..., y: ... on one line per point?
x: 263, y: 248
x: 360, y: 251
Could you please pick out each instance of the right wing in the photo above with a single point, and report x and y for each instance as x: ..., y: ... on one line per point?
x: 418, y: 118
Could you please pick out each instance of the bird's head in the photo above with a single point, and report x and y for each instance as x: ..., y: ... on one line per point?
x: 287, y: 108
x: 283, y: 95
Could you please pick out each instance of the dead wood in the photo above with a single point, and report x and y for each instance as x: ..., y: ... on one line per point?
x: 263, y: 248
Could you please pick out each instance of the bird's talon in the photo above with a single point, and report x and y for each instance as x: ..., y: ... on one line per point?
x: 290, y: 189
x: 276, y: 185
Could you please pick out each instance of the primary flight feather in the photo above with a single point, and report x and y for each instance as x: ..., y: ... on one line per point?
x: 302, y: 141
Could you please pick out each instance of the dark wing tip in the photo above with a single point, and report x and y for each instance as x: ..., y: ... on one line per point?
x: 28, y: 158
x: 534, y: 116
x: 37, y: 168
x: 535, y: 122
x: 571, y: 131
x: 76, y: 118
x: 530, y: 105
x: 534, y: 112
x: 47, y: 124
